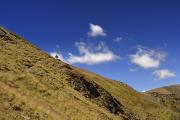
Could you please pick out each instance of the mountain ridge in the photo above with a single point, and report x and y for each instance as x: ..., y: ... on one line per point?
x: 60, y: 91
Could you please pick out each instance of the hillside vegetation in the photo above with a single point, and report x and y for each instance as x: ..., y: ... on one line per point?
x: 168, y: 96
x: 35, y: 86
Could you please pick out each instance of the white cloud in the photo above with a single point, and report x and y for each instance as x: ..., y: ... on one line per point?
x: 143, y: 91
x: 147, y: 58
x: 92, y: 54
x: 88, y: 54
x: 118, y: 39
x: 58, y: 55
x: 163, y: 74
x: 96, y: 30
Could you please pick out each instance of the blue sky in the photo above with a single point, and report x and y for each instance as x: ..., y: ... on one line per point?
x: 134, y: 41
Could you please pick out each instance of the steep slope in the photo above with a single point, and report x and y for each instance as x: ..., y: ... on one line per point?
x: 168, y: 96
x: 34, y: 85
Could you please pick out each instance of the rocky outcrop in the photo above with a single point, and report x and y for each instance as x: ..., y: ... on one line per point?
x: 5, y: 37
x: 93, y: 91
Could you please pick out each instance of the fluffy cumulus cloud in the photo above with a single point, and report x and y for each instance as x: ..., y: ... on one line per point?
x: 96, y: 30
x: 163, y: 74
x: 89, y: 54
x: 147, y: 58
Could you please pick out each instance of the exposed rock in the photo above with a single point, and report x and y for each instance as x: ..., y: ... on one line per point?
x: 2, y: 33
x: 5, y: 37
x: 93, y: 91
x: 85, y: 87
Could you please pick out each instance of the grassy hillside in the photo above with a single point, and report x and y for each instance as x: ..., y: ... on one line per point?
x: 35, y: 86
x: 172, y: 89
x: 168, y: 96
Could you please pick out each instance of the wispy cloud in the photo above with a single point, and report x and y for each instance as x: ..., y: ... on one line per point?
x: 147, y: 58
x: 163, y: 74
x: 89, y: 54
x: 96, y: 30
x: 133, y: 69
x: 118, y: 39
